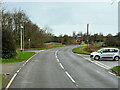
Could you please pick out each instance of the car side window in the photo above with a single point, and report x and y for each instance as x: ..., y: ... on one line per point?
x: 115, y: 50
x: 106, y: 50
x: 111, y: 50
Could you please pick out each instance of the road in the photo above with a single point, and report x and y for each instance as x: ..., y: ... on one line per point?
x: 60, y: 68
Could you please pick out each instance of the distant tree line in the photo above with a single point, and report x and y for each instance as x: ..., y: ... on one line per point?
x: 108, y: 40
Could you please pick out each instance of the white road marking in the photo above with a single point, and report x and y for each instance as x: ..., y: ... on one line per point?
x: 111, y: 73
x: 70, y: 77
x: 56, y: 53
x: 65, y: 71
x: 27, y: 61
x: 61, y: 66
x: 23, y: 64
x: 58, y: 60
x: 56, y: 57
x: 41, y: 51
x: 76, y: 85
x: 103, y: 64
x: 19, y: 68
x: 19, y: 71
x: 11, y: 81
x: 97, y: 63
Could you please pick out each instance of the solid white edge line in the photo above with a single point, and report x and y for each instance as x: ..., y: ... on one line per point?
x: 98, y: 63
x: 103, y: 64
x: 27, y: 61
x: 11, y: 81
x: 61, y: 66
x: 111, y: 73
x: 70, y: 77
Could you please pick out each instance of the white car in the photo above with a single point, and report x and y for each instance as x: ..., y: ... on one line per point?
x: 106, y: 53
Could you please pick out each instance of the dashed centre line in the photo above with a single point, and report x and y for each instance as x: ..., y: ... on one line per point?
x: 65, y: 70
x: 70, y: 77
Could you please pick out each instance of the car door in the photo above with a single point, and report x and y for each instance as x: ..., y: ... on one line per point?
x: 106, y: 53
x: 115, y: 52
x: 111, y: 53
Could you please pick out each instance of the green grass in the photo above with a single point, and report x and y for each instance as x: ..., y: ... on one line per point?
x: 27, y: 54
x: 117, y: 68
x: 109, y: 47
x: 46, y: 47
x: 2, y: 80
x: 20, y: 57
x: 77, y: 50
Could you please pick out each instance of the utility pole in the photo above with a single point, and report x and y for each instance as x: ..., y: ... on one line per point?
x: 22, y: 34
x: 21, y: 37
x: 87, y: 36
x: 29, y: 42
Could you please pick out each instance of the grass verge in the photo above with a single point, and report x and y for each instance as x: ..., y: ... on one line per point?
x: 20, y: 57
x: 27, y: 54
x: 80, y: 51
x: 109, y: 47
x: 92, y: 48
x: 116, y: 70
x: 46, y: 47
x: 2, y: 80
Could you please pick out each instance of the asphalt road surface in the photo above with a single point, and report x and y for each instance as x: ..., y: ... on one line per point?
x: 60, y: 68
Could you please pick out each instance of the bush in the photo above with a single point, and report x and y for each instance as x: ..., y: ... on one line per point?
x: 8, y: 45
x: 91, y: 48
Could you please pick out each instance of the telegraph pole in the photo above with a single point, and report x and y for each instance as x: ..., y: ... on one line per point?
x: 29, y: 42
x: 22, y: 34
x: 87, y: 35
x: 21, y: 37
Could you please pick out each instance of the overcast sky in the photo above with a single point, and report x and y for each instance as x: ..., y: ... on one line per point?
x: 66, y: 17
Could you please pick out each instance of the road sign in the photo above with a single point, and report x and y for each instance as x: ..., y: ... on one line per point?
x: 79, y: 41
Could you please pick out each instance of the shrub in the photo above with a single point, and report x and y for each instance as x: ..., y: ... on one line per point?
x: 8, y: 45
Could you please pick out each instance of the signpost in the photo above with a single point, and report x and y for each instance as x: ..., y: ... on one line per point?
x: 79, y: 40
x: 29, y: 42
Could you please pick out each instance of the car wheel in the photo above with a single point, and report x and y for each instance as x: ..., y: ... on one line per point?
x: 116, y: 58
x: 96, y: 57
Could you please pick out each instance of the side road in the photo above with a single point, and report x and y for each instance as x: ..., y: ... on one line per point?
x: 109, y: 63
